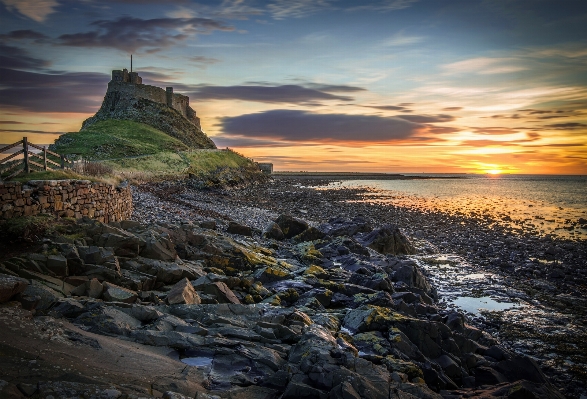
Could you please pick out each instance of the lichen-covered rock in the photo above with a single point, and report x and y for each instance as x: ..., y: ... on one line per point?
x: 371, y: 318
x: 291, y: 226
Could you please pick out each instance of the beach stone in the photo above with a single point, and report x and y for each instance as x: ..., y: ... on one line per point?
x: 272, y: 230
x: 291, y: 226
x: 183, y: 292
x: 115, y: 293
x: 10, y: 286
x: 310, y: 234
x: 240, y: 229
x: 389, y: 240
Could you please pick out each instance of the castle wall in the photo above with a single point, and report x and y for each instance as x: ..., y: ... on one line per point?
x: 65, y: 198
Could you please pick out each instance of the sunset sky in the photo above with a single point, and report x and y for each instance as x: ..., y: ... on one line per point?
x: 320, y: 85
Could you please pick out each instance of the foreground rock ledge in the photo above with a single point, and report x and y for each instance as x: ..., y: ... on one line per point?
x: 128, y: 310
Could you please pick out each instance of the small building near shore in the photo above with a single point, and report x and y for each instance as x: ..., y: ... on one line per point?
x: 265, y: 167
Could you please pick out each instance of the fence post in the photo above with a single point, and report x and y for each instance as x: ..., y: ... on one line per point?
x: 44, y: 157
x: 27, y: 166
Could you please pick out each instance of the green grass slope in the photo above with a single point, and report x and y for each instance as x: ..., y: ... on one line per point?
x: 139, y: 152
x: 116, y: 139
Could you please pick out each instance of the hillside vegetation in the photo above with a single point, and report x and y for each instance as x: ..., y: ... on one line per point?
x: 139, y: 152
x: 116, y: 139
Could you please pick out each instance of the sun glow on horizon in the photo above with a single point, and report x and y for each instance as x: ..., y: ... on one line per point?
x: 494, y: 172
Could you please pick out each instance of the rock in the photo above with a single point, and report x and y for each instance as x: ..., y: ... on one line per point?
x: 108, y: 320
x: 291, y: 226
x: 114, y: 293
x: 127, y: 246
x: 409, y: 273
x: 48, y: 297
x: 310, y: 234
x: 370, y: 318
x: 388, y: 240
x: 94, y: 288
x: 208, y: 224
x: 183, y: 292
x: 450, y: 367
x: 344, y: 227
x: 57, y: 264
x: 487, y: 376
x: 298, y: 390
x: 273, y: 231
x: 237, y: 228
x: 10, y: 286
x: 157, y: 247
x: 95, y: 255
x: 146, y: 314
x: 221, y: 291
x: 521, y: 368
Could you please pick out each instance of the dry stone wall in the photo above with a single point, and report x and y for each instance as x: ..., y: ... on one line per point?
x: 65, y: 198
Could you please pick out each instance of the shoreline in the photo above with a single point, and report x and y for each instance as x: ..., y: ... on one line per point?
x: 547, y: 271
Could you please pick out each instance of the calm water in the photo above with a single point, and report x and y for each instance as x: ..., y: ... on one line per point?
x: 544, y: 204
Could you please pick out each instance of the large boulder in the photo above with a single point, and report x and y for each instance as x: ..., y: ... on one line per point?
x: 183, y: 292
x: 221, y: 291
x: 10, y: 286
x: 388, y: 240
x: 291, y: 226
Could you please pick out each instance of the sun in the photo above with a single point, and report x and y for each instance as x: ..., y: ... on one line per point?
x: 494, y: 172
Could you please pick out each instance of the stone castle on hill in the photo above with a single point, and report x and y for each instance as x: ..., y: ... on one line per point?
x: 127, y: 98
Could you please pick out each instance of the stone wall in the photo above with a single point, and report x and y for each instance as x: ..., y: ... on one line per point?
x: 65, y: 198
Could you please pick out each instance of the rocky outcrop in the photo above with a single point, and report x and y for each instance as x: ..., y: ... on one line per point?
x: 123, y: 102
x: 318, y: 315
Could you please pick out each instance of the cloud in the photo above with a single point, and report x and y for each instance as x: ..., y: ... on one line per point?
x: 567, y: 126
x: 56, y: 92
x: 37, y: 10
x: 452, y: 108
x: 281, y: 9
x: 11, y: 123
x: 15, y: 57
x: 400, y: 39
x: 266, y: 94
x: 387, y: 107
x: 385, y: 5
x: 130, y: 34
x: 302, y: 126
x: 427, y: 118
x: 484, y: 66
x: 24, y: 34
x: 335, y: 88
x: 202, y: 62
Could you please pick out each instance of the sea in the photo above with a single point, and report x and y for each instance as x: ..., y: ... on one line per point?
x: 537, y: 204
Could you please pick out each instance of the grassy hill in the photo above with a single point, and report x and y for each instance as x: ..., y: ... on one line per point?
x: 136, y: 151
x: 116, y: 139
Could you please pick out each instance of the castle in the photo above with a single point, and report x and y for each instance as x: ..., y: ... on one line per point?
x: 130, y: 85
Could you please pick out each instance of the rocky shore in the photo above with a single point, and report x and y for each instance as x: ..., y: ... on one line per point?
x: 279, y: 290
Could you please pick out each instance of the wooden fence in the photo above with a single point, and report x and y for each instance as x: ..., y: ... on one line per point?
x: 45, y: 160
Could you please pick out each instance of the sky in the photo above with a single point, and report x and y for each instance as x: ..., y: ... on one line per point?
x: 420, y: 86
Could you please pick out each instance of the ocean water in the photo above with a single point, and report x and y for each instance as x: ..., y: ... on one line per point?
x: 539, y: 204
